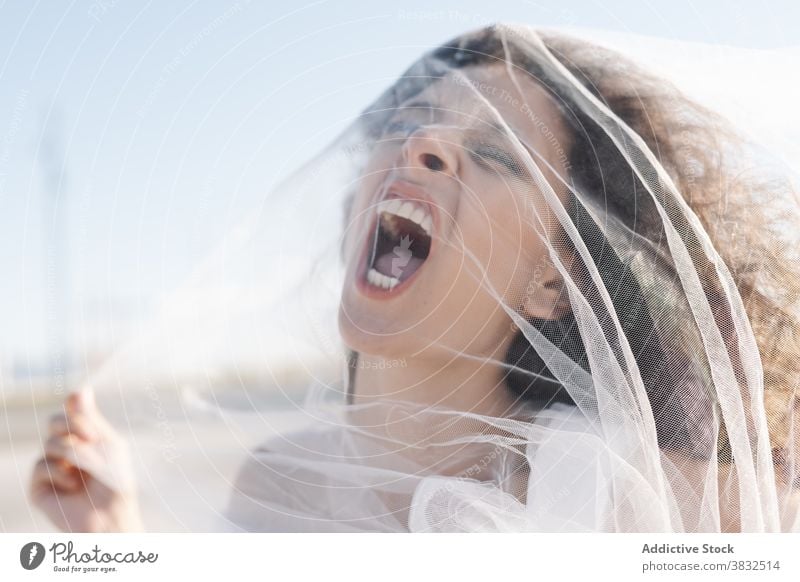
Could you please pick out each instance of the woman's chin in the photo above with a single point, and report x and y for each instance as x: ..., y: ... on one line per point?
x: 369, y: 335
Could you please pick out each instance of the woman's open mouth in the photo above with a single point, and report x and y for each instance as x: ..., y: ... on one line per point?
x: 399, y: 243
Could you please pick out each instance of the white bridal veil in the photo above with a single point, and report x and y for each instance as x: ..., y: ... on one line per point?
x: 531, y: 289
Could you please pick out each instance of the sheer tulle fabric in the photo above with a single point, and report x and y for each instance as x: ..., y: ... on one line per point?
x: 641, y: 407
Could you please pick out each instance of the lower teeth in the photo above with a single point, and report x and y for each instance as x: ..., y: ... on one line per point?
x: 380, y: 280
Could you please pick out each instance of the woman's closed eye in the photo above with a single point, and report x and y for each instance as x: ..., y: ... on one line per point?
x: 484, y: 153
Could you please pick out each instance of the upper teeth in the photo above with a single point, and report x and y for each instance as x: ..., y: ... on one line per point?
x: 408, y: 209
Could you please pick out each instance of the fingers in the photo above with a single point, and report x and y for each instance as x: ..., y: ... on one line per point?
x: 68, y: 448
x: 50, y: 474
x: 78, y: 424
x: 82, y: 402
x: 72, y: 449
x: 82, y: 417
x: 81, y: 439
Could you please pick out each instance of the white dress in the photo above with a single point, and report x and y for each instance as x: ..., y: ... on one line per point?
x: 326, y: 480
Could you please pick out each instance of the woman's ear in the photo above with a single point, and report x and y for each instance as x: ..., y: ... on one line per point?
x: 546, y: 294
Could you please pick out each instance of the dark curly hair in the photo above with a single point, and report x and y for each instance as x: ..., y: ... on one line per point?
x: 688, y: 140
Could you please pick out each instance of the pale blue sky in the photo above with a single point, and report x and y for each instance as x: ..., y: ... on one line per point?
x: 157, y: 124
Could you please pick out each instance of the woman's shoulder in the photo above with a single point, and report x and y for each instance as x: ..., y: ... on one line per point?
x: 270, y: 480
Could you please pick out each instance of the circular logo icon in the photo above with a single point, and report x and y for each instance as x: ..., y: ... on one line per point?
x: 31, y: 555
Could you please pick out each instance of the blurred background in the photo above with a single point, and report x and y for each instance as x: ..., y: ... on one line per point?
x: 137, y: 139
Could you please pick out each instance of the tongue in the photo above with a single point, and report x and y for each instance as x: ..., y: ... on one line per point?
x: 401, y: 267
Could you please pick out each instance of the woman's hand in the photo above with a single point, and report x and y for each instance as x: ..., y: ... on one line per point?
x: 83, y: 482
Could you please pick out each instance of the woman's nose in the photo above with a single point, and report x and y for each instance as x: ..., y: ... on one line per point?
x: 432, y: 150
